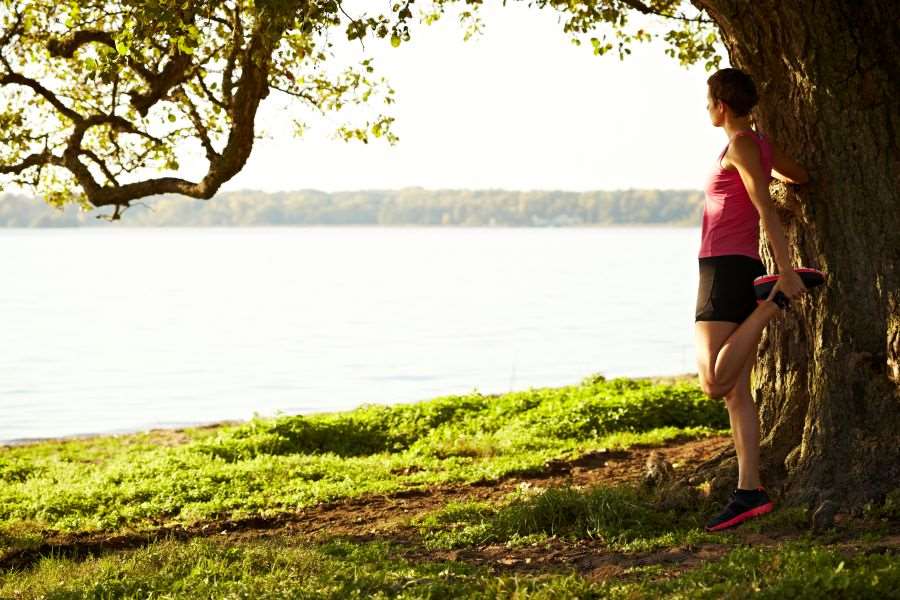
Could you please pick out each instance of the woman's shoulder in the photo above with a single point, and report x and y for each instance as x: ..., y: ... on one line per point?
x: 745, y: 140
x: 747, y: 145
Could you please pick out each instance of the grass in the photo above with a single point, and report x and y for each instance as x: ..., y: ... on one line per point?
x: 138, y: 482
x: 272, y: 568
x: 266, y: 466
x: 282, y: 567
x: 792, y: 570
x: 625, y: 518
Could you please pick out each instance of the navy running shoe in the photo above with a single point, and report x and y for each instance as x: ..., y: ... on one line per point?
x: 742, y: 505
x: 763, y: 285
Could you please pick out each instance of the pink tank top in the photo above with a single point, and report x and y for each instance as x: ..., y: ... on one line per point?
x: 730, y: 220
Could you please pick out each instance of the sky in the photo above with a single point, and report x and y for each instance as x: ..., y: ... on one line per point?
x: 518, y: 107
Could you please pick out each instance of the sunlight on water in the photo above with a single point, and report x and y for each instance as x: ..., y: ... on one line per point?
x: 125, y: 329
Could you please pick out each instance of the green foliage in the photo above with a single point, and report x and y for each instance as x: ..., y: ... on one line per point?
x: 16, y: 470
x: 626, y: 405
x: 689, y: 34
x: 367, y: 430
x: 126, y: 82
x: 574, y: 413
x: 157, y: 74
x: 693, y: 45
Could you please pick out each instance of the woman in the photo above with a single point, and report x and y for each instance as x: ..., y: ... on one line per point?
x: 729, y: 321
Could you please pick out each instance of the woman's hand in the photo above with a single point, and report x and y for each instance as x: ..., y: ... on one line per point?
x: 790, y: 284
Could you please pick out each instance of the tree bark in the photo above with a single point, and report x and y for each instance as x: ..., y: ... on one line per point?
x: 827, y: 378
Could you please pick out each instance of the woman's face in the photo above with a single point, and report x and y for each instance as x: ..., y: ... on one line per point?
x: 716, y: 110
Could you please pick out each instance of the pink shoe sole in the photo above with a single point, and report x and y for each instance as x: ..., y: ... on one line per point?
x: 753, y: 512
x: 763, y: 285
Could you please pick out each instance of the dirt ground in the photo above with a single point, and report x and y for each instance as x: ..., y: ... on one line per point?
x: 386, y: 517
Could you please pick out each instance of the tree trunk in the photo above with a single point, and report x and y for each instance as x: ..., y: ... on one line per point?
x: 827, y: 379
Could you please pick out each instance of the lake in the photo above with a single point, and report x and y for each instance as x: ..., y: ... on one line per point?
x: 122, y: 329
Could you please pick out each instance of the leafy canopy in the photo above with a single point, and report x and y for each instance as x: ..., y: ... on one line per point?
x: 97, y: 94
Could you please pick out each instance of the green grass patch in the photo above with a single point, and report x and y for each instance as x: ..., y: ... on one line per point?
x: 283, y: 567
x: 625, y: 518
x: 266, y: 466
x: 791, y: 570
x: 274, y: 567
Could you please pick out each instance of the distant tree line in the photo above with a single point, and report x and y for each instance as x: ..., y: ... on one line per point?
x: 410, y: 206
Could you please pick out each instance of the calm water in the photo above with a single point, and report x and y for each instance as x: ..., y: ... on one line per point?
x: 123, y: 329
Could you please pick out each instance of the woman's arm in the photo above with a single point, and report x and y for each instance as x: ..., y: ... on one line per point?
x: 785, y: 168
x: 743, y: 153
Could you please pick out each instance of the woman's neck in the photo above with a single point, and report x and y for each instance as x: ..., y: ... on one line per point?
x: 731, y: 127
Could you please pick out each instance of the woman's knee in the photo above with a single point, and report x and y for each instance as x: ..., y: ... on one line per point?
x: 713, y: 388
x: 710, y: 336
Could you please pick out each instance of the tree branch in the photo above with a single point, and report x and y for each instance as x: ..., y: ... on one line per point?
x: 32, y: 160
x: 648, y: 10
x: 197, y: 120
x: 65, y: 48
x: 176, y: 72
x: 8, y: 36
x: 208, y: 93
x: 106, y: 172
x: 245, y: 85
x: 117, y: 123
x: 252, y: 87
x: 39, y: 89
x: 300, y: 95
x: 236, y: 44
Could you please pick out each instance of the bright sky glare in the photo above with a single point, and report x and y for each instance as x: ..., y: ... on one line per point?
x: 518, y: 107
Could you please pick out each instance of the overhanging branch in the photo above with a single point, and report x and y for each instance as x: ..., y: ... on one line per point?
x: 648, y: 10
x: 197, y: 120
x: 97, y: 172
x: 251, y: 87
x: 66, y: 47
x: 18, y: 79
x: 176, y: 72
x: 103, y: 167
x: 32, y: 160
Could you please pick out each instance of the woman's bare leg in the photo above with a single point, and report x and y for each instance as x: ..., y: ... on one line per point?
x: 745, y: 427
x: 723, y: 348
x: 709, y: 337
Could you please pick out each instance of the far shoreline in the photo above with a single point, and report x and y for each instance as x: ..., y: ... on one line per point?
x: 17, y: 443
x: 117, y: 226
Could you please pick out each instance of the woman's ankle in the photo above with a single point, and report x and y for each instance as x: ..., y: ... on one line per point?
x: 768, y: 308
x: 749, y: 483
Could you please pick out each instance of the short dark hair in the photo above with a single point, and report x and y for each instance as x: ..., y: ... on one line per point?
x: 735, y: 88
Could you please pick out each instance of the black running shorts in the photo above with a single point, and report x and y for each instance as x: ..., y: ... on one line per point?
x: 726, y: 292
